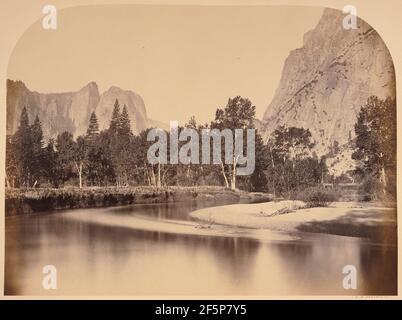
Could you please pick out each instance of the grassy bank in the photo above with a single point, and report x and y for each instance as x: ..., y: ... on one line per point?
x: 21, y: 201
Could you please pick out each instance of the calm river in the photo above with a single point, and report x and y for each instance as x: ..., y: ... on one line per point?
x: 100, y: 259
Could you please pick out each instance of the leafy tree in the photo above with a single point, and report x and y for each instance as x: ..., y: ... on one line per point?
x: 72, y: 155
x: 290, y: 163
x: 142, y: 167
x: 50, y: 161
x: 375, y: 145
x: 308, y: 172
x: 65, y: 147
x: 99, y: 156
x: 258, y: 180
x: 239, y: 113
x: 291, y: 143
x: 79, y: 157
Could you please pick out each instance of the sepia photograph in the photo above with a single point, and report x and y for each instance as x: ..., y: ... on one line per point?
x: 200, y: 150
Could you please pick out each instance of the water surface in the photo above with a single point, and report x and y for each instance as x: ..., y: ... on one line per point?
x: 98, y: 259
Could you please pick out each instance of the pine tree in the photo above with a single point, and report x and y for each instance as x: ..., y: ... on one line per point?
x: 92, y: 156
x: 37, y: 167
x: 192, y: 123
x: 115, y: 122
x: 121, y: 144
x: 37, y: 133
x: 24, y: 119
x: 23, y: 149
x: 124, y: 123
x: 93, y: 127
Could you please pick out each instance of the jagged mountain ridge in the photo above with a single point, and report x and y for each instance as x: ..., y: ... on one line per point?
x: 70, y: 111
x: 326, y: 81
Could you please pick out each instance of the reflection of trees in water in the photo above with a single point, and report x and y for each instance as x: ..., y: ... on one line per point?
x: 172, y: 210
x: 22, y: 236
x: 14, y: 258
x: 314, y: 266
x: 234, y: 256
x: 318, y: 265
x: 296, y: 258
x: 379, y: 264
x: 121, y: 239
x: 294, y: 251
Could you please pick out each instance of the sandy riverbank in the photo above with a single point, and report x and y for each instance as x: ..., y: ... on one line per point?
x: 341, y: 218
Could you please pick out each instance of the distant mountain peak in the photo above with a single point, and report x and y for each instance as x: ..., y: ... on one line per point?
x: 114, y: 88
x: 70, y: 111
x: 91, y: 84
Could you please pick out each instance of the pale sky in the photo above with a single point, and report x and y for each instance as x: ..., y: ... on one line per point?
x: 182, y: 60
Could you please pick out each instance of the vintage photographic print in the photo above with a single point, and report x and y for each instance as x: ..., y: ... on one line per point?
x: 200, y: 150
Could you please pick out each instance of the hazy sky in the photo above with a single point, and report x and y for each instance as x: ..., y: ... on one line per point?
x: 182, y: 60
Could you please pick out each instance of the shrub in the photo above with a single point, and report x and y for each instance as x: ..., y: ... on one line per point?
x: 317, y: 196
x: 371, y: 188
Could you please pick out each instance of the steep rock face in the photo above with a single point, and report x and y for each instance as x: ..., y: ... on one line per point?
x: 158, y: 124
x: 58, y: 112
x: 70, y: 111
x: 325, y: 83
x: 135, y: 106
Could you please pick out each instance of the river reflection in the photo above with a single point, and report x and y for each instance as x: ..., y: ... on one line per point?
x: 94, y: 259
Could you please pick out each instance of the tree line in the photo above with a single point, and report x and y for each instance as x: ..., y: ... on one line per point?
x: 117, y: 157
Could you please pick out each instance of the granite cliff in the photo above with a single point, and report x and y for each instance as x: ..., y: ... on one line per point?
x: 70, y: 111
x: 326, y: 81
